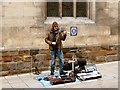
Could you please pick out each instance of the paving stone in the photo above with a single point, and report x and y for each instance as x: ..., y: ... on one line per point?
x: 7, y: 85
x: 58, y: 86
x: 3, y: 80
x: 13, y: 79
x: 91, y: 83
x: 109, y: 79
x: 33, y: 84
x: 109, y: 84
x: 20, y: 85
x: 79, y: 85
x: 72, y: 84
x: 26, y: 77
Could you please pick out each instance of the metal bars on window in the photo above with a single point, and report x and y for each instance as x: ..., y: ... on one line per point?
x: 63, y: 8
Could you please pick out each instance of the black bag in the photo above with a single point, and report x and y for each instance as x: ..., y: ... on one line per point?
x: 67, y: 66
x: 81, y: 63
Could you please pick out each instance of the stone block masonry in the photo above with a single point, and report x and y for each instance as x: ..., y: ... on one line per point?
x: 24, y: 60
x: 24, y: 25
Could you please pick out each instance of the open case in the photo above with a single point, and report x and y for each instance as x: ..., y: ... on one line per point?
x: 89, y: 72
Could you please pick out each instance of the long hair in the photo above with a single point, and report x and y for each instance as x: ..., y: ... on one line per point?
x: 54, y: 24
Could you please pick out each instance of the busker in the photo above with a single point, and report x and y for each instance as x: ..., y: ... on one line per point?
x: 54, y: 40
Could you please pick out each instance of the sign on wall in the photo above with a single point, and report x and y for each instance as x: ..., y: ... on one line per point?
x: 73, y: 31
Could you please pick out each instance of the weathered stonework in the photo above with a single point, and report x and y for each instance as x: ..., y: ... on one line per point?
x: 28, y: 59
x: 107, y: 14
x: 110, y: 58
x: 24, y: 29
x: 41, y: 57
x: 4, y: 66
x: 100, y: 59
x: 25, y: 25
x: 7, y: 58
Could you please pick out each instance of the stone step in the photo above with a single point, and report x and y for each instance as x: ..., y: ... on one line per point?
x: 73, y: 41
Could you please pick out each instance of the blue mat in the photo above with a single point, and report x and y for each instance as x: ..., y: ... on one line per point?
x: 43, y: 82
x: 47, y: 83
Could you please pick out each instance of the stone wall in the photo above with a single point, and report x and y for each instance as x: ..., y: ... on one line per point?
x: 119, y: 27
x: 107, y: 15
x: 23, y: 25
x: 90, y: 35
x: 17, y: 61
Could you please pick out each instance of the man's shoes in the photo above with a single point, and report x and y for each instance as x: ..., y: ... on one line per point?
x: 63, y: 73
x: 51, y: 74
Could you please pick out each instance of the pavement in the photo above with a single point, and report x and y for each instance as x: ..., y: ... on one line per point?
x: 109, y: 71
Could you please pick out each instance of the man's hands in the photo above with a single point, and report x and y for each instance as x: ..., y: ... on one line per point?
x: 65, y: 32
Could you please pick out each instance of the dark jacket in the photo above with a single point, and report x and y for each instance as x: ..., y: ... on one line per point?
x: 59, y: 37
